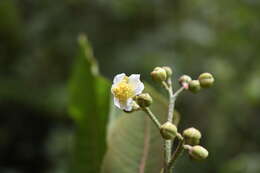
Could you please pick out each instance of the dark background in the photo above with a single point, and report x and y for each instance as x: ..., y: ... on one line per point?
x: 38, y: 43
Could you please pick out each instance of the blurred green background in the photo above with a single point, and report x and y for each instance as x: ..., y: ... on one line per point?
x: 38, y: 43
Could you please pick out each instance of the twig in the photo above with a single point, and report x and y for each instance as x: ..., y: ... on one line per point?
x: 177, y: 153
x: 152, y: 116
x: 168, y: 143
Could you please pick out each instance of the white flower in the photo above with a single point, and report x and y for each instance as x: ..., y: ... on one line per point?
x: 124, y: 88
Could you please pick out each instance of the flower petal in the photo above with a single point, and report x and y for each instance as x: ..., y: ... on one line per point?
x: 112, y: 88
x: 138, y: 90
x: 118, y: 78
x: 136, y: 83
x: 117, y: 103
x: 129, y: 104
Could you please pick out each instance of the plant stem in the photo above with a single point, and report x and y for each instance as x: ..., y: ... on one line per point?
x: 171, y: 105
x: 175, y: 95
x: 152, y: 116
x: 172, y: 99
x: 165, y: 85
x: 167, y: 154
x: 176, y: 154
x: 168, y: 143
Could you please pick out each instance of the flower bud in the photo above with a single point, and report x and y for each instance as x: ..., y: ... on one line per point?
x: 194, y: 86
x: 168, y: 71
x: 198, y: 153
x: 206, y: 80
x: 192, y: 136
x: 184, y: 81
x: 168, y: 130
x: 159, y: 74
x: 144, y: 100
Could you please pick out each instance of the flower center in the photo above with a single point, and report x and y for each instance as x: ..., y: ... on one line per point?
x: 123, y: 90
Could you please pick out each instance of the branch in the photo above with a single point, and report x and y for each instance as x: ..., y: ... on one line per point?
x: 177, y: 152
x: 152, y: 116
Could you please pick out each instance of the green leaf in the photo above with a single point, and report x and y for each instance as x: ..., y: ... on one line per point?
x: 88, y: 106
x: 134, y: 142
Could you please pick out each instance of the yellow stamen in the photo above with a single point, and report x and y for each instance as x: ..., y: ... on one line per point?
x: 123, y: 90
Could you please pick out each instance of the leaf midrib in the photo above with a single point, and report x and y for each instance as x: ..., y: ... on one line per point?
x: 145, y: 154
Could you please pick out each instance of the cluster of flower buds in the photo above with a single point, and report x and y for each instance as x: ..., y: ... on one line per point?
x: 205, y: 80
x: 192, y: 138
x: 161, y: 73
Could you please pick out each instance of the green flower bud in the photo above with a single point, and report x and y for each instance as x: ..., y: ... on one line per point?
x: 192, y: 136
x: 194, y: 86
x: 198, y: 153
x: 144, y: 100
x: 168, y: 130
x: 159, y: 74
x: 168, y: 71
x: 184, y: 81
x: 206, y: 80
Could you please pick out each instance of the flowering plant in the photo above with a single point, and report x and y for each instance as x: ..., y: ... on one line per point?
x: 120, y: 142
x: 128, y: 96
